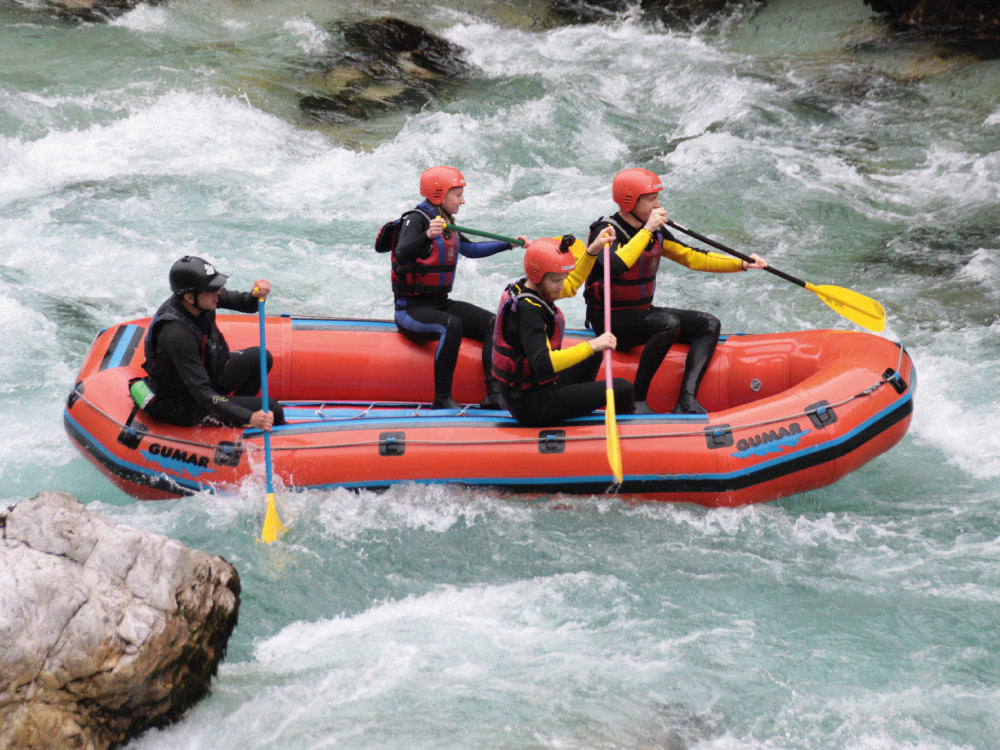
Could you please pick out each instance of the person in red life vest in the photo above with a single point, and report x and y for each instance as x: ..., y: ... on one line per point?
x: 191, y: 370
x: 541, y: 382
x: 424, y: 262
x: 640, y: 241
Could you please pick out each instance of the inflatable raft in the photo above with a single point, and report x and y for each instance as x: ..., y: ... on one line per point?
x: 789, y: 412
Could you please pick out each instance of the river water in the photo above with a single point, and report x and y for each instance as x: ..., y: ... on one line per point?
x: 863, y: 616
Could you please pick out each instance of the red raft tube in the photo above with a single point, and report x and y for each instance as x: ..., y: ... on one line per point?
x: 788, y: 412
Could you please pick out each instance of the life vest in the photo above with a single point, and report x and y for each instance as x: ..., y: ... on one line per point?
x: 636, y: 287
x: 434, y: 274
x: 212, y: 345
x: 510, y: 366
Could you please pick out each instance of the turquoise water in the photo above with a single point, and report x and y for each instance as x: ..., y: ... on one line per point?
x: 863, y: 616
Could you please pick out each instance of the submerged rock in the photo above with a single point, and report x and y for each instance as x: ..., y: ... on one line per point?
x: 105, y: 630
x: 95, y: 10
x: 974, y: 17
x: 386, y: 64
x: 671, y: 12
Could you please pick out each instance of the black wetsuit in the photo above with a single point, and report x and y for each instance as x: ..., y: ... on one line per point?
x: 527, y: 329
x: 433, y: 315
x: 657, y: 327
x: 192, y: 372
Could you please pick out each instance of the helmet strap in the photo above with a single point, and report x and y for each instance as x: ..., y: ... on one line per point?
x: 192, y: 307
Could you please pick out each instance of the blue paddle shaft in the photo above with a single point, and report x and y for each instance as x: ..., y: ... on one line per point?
x: 265, y: 403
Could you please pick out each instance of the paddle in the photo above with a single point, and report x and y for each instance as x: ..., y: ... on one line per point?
x: 858, y: 308
x: 272, y: 523
x: 480, y: 233
x: 610, y: 424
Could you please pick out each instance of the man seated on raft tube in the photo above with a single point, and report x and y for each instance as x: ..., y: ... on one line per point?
x: 542, y: 383
x: 640, y: 241
x: 191, y: 370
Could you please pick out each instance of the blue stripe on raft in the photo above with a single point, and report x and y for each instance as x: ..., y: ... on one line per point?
x: 108, y: 458
x: 124, y: 348
x: 339, y: 324
x: 303, y: 419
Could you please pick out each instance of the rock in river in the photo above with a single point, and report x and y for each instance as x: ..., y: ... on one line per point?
x: 105, y: 630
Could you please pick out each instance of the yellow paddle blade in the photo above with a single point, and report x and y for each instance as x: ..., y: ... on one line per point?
x: 272, y: 524
x: 614, y: 444
x: 858, y: 308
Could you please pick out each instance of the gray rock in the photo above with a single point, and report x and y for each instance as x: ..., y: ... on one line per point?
x: 105, y: 631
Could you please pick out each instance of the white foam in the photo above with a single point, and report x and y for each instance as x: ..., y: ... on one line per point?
x: 951, y: 412
x: 312, y: 39
x: 144, y: 18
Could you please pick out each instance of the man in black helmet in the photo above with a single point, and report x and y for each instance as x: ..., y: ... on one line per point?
x: 193, y: 376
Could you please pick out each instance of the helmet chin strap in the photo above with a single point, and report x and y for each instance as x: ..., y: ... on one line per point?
x: 194, y: 304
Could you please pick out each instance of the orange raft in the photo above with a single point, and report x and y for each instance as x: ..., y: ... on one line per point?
x: 789, y: 412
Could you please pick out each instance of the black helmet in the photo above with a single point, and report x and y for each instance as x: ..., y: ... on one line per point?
x: 191, y: 274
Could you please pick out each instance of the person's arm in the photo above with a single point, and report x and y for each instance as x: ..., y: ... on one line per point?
x: 699, y: 260
x: 536, y: 346
x: 626, y: 255
x: 239, y: 301
x: 625, y: 249
x: 586, y: 257
x: 413, y: 241
x: 178, y: 346
x: 481, y: 249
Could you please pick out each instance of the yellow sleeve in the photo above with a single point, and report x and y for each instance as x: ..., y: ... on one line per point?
x: 630, y: 251
x: 565, y: 358
x: 584, y: 264
x: 699, y: 261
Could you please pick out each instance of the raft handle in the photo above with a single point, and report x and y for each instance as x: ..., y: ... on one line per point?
x: 131, y: 436
x: 552, y: 441
x: 891, y: 377
x: 718, y: 436
x: 228, y: 453
x: 821, y: 414
x: 74, y: 394
x: 392, y: 443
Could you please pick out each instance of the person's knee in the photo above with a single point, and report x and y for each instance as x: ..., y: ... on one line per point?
x: 664, y: 325
x: 713, y: 324
x: 452, y: 328
x: 624, y: 396
x: 491, y: 325
x: 278, y: 409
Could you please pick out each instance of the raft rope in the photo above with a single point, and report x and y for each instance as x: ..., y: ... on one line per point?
x: 366, y: 412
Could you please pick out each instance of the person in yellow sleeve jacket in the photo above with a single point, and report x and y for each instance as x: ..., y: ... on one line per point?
x: 640, y: 240
x: 541, y: 382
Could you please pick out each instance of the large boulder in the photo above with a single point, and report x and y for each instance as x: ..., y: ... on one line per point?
x: 384, y: 65
x: 105, y: 631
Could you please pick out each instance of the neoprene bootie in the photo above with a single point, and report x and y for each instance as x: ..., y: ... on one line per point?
x: 686, y: 404
x: 445, y: 402
x: 493, y: 399
x: 698, y: 358
x: 641, y: 407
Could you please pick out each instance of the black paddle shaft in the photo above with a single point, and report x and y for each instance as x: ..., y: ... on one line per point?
x: 741, y: 256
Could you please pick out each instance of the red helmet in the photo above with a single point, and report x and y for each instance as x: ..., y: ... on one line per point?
x: 437, y: 181
x: 547, y: 256
x: 629, y: 184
